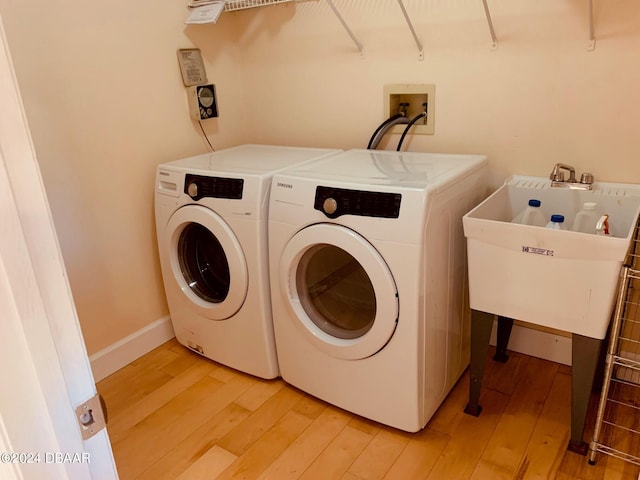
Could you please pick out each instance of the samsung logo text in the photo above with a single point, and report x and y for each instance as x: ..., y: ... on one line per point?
x: 284, y: 185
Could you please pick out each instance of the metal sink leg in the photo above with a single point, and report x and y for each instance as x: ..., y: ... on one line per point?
x: 585, y: 353
x: 481, y: 325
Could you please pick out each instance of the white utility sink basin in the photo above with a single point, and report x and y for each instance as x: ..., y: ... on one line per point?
x: 559, y: 279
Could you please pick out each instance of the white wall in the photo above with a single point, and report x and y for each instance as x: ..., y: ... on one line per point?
x: 540, y: 98
x: 105, y: 102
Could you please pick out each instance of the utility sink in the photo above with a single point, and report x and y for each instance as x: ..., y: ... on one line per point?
x: 556, y: 278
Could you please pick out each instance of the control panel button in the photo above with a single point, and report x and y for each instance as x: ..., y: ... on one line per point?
x: 329, y: 205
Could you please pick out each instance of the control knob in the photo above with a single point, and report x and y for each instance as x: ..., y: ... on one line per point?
x: 192, y: 189
x: 329, y: 206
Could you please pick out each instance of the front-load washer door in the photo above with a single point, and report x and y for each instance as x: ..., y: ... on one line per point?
x: 341, y: 290
x: 207, y: 262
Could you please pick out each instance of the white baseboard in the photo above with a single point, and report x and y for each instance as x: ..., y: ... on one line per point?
x: 536, y: 343
x: 130, y: 348
x: 555, y: 348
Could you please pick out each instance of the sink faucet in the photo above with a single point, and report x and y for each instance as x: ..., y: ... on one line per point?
x: 557, y: 175
x: 557, y: 178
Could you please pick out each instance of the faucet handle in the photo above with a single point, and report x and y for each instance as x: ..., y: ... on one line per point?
x: 586, y: 178
x: 557, y: 175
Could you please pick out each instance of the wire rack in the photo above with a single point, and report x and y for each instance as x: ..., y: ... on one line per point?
x: 617, y: 429
x: 233, y: 5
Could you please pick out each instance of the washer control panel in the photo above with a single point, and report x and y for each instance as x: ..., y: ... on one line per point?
x: 200, y: 186
x: 334, y: 202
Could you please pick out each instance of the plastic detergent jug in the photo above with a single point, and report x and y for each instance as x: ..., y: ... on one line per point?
x: 556, y: 221
x: 586, y: 219
x: 532, y: 215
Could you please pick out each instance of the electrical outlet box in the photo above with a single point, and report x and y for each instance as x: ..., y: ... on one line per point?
x: 413, y: 99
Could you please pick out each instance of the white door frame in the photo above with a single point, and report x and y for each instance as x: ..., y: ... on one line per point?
x: 45, y: 366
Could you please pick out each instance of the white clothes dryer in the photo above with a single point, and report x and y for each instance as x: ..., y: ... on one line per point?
x: 211, y: 223
x: 368, y: 279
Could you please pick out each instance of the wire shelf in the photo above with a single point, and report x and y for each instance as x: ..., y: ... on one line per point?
x: 234, y: 5
x: 617, y: 429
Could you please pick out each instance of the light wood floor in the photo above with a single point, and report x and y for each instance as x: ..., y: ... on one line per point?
x: 174, y: 415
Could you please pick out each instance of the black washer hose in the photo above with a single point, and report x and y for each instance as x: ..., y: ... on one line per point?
x: 408, y: 127
x: 381, y: 126
x: 399, y: 120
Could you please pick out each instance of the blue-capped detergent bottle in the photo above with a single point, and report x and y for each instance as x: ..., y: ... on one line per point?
x: 556, y: 222
x: 532, y: 215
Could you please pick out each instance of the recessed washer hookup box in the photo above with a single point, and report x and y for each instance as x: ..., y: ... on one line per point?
x: 556, y: 278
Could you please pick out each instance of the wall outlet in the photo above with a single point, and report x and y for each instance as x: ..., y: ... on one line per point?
x: 411, y: 98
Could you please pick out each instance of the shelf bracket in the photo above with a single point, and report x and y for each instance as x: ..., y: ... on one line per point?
x: 355, y: 40
x: 413, y: 31
x: 494, y: 40
x: 592, y: 35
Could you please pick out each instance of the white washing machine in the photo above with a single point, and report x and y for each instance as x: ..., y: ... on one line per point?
x: 211, y: 222
x: 368, y: 279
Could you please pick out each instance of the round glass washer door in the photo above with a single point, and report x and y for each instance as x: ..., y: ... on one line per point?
x: 341, y: 291
x: 207, y: 262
